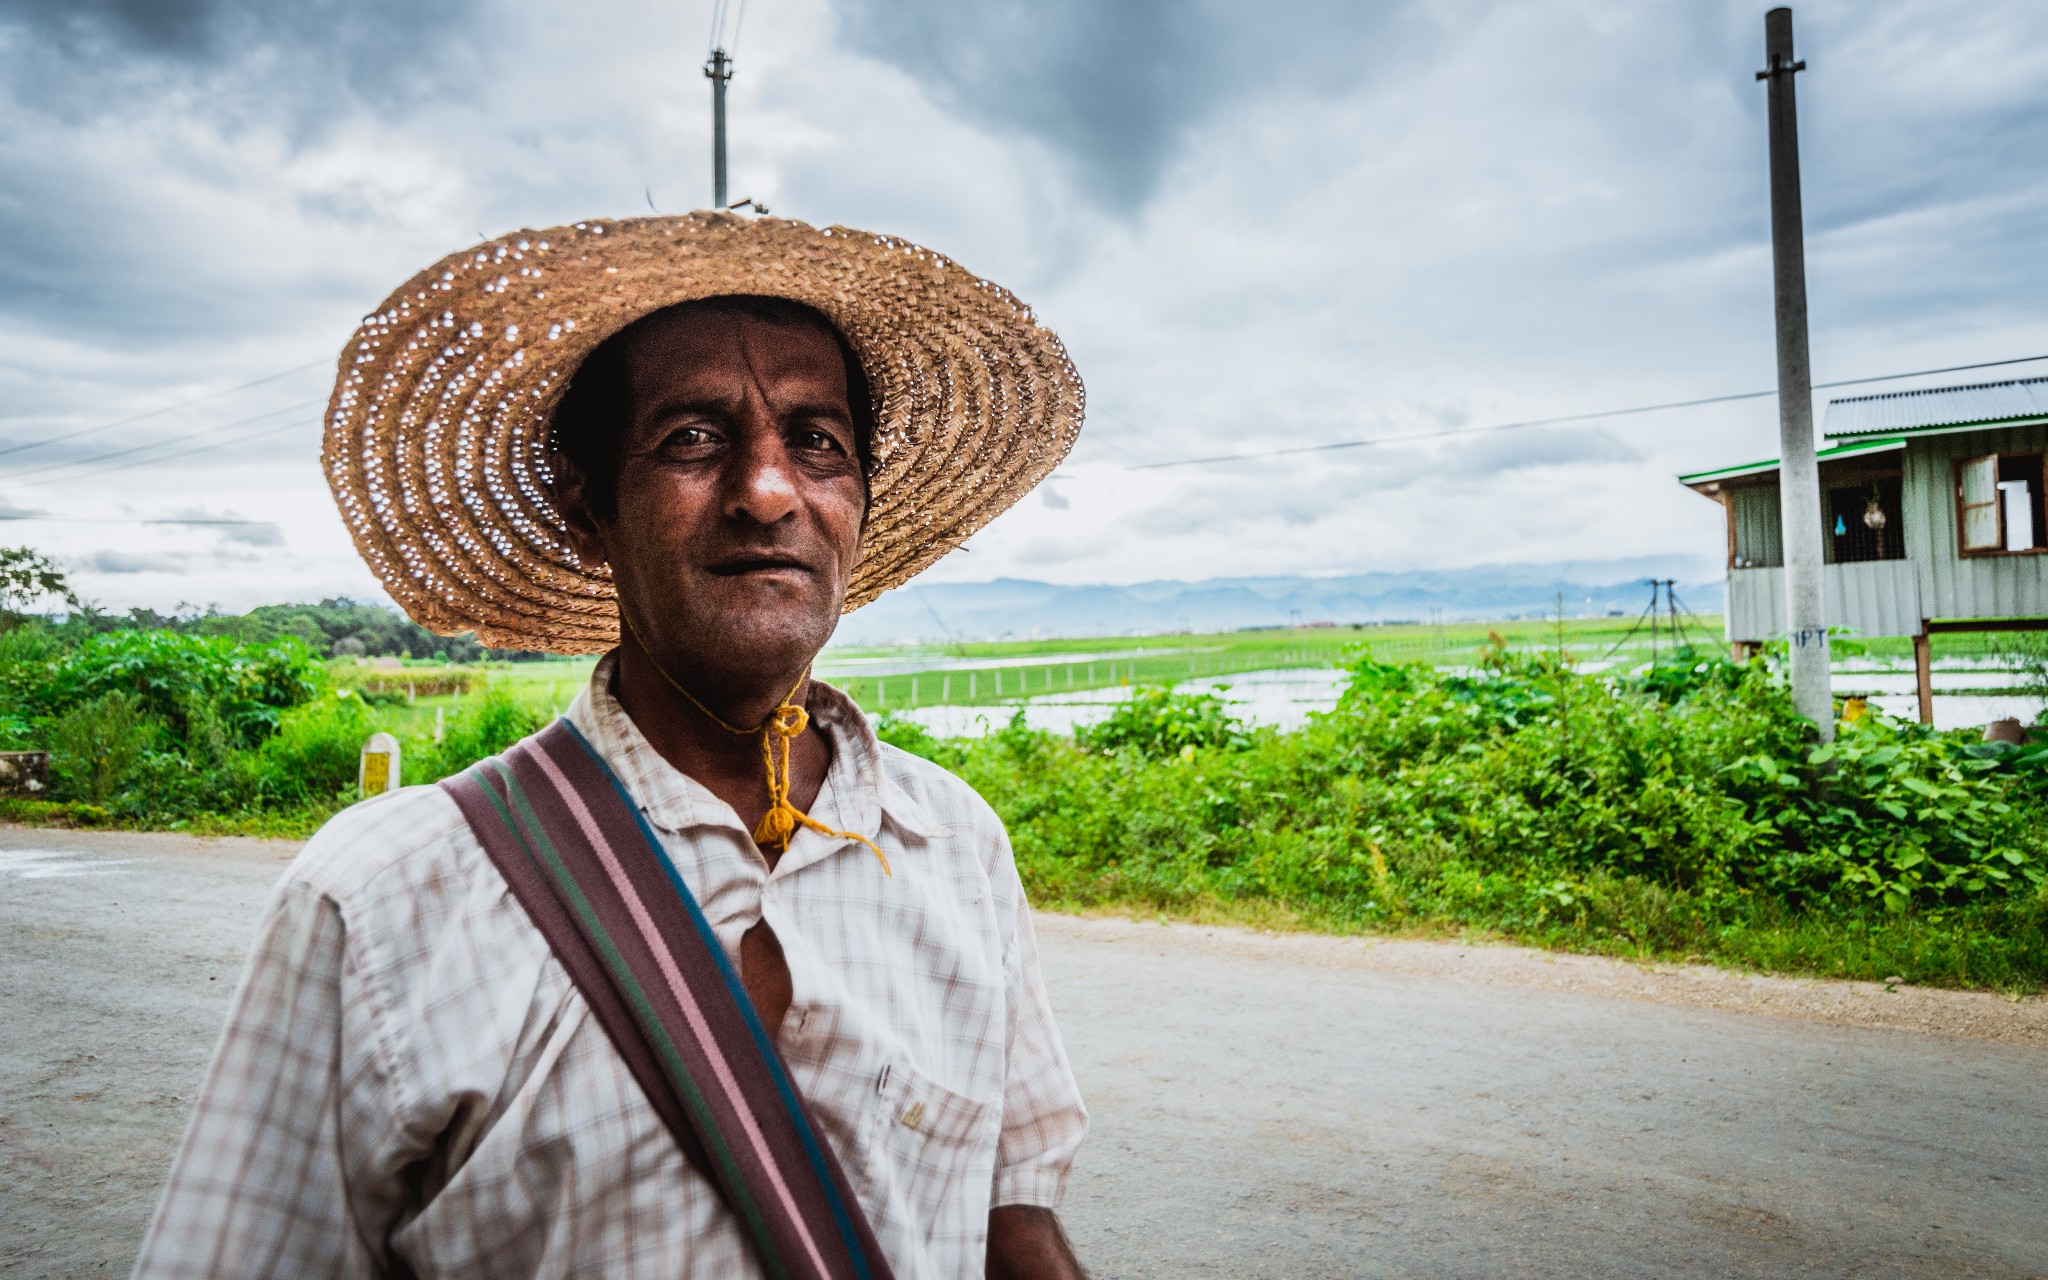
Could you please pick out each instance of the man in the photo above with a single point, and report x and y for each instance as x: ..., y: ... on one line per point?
x: 719, y: 433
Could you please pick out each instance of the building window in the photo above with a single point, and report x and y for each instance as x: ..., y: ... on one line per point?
x: 2000, y: 507
x: 1866, y: 521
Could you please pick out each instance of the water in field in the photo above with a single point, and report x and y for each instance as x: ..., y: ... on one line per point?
x: 1282, y: 699
x: 1966, y: 696
x: 831, y: 666
x: 1961, y: 710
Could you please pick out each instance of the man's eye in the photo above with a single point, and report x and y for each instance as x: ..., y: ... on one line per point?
x: 689, y: 437
x: 816, y: 440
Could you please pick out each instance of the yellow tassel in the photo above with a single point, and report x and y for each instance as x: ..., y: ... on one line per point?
x: 779, y: 824
x: 785, y: 722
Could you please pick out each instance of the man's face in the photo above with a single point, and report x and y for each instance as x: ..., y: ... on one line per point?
x: 740, y: 496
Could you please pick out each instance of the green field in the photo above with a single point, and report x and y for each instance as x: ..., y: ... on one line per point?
x: 998, y: 673
x: 993, y: 673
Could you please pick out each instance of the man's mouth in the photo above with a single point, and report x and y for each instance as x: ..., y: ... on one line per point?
x: 738, y: 566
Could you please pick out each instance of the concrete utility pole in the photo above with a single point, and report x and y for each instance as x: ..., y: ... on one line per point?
x: 718, y: 71
x: 1806, y: 623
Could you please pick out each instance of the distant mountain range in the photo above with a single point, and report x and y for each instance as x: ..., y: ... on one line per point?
x: 1016, y: 608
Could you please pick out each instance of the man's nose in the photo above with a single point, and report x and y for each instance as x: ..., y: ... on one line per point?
x: 761, y: 480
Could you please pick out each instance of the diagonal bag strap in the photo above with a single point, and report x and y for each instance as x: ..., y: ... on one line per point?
x: 580, y: 859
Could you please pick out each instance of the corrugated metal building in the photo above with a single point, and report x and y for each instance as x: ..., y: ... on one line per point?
x: 1935, y: 506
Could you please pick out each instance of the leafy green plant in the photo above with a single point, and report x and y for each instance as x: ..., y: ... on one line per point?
x: 313, y: 757
x: 486, y: 725
x: 246, y: 686
x: 1156, y: 721
x: 1910, y: 816
x: 1684, y: 672
x: 901, y: 731
x: 98, y: 745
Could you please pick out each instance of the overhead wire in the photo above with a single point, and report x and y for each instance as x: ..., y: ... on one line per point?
x: 185, y: 453
x: 1558, y: 421
x: 68, y: 436
x: 159, y: 443
x: 43, y: 519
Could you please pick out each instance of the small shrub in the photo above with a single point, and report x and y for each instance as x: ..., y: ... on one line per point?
x: 98, y: 745
x: 901, y: 731
x: 1157, y: 722
x: 315, y: 753
x: 485, y: 726
x: 1675, y: 678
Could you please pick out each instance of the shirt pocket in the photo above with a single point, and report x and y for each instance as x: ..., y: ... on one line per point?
x: 931, y: 1159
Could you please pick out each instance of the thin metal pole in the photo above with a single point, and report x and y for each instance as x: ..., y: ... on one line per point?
x: 718, y: 71
x: 1806, y: 623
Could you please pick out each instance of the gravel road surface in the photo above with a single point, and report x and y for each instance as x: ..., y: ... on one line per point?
x: 1264, y: 1106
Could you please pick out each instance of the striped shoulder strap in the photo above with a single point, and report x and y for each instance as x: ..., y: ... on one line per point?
x: 581, y: 860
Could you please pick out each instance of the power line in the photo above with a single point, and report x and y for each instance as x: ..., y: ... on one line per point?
x: 1551, y: 422
x: 158, y: 444
x: 186, y: 453
x: 738, y: 23
x: 154, y: 413
x: 34, y: 519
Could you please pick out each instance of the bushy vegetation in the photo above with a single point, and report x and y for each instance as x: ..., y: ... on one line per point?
x: 173, y: 728
x: 1688, y: 812
x: 1684, y: 811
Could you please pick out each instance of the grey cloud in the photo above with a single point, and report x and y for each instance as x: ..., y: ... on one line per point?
x: 128, y: 562
x: 1481, y: 456
x: 1292, y: 493
x: 253, y: 535
x: 1117, y: 87
x: 253, y: 58
x: 248, y: 535
x: 1300, y: 492
x: 120, y: 118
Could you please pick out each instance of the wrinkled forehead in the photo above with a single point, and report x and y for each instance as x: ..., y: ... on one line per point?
x: 695, y: 351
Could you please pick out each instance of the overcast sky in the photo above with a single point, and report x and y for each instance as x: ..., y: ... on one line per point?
x: 1254, y: 226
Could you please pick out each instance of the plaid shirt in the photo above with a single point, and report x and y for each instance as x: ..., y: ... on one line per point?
x: 409, y: 1084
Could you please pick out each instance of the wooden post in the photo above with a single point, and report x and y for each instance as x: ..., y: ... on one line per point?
x: 1923, y: 673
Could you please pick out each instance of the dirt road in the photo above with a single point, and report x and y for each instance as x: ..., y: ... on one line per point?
x: 1263, y: 1106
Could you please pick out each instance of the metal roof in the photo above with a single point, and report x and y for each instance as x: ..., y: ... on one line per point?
x: 1939, y: 408
x: 1849, y: 450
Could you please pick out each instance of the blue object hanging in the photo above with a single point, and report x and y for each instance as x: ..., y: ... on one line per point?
x: 1841, y: 526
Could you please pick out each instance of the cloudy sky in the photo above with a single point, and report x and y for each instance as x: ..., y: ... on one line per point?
x: 1255, y: 226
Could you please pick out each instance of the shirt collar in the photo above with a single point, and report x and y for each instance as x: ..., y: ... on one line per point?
x: 858, y: 794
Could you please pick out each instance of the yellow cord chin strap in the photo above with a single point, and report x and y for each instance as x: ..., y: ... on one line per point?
x: 786, y: 721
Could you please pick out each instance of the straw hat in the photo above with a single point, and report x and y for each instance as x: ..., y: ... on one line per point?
x: 437, y: 432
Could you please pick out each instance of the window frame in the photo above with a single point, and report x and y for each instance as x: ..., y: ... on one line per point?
x: 2038, y: 479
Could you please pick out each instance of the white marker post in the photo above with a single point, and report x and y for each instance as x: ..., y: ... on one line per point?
x: 379, y: 770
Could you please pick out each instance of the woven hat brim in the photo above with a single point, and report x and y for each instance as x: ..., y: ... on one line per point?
x: 436, y: 446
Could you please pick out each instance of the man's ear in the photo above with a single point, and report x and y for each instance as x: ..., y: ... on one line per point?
x: 573, y: 500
